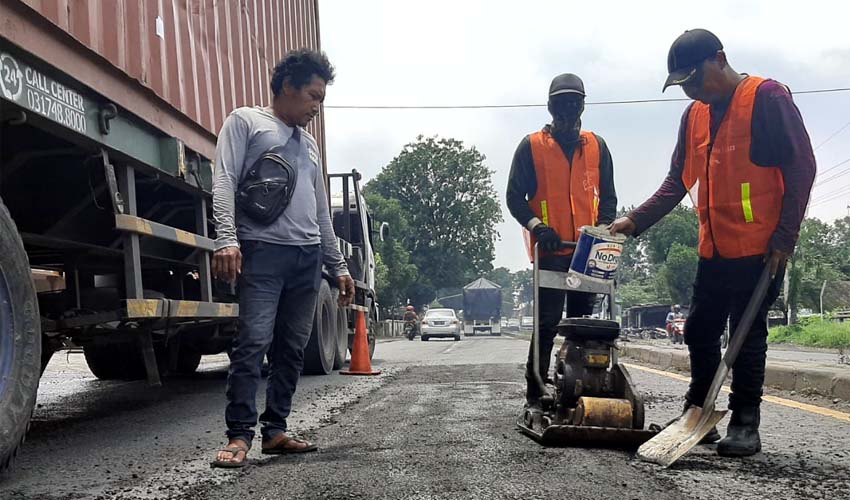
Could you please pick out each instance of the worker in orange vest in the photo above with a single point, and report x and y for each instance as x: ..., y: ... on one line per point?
x: 562, y: 178
x: 744, y: 156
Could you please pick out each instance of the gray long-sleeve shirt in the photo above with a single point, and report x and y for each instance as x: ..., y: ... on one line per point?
x: 247, y: 134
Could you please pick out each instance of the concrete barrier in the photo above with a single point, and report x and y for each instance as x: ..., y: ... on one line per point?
x: 389, y: 328
x: 783, y: 375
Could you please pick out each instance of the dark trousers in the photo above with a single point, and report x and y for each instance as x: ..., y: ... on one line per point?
x: 551, y: 309
x: 722, y: 290
x: 277, y: 301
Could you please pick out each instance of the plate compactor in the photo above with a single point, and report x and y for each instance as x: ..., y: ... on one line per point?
x: 594, y: 402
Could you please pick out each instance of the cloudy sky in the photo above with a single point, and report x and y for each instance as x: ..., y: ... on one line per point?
x: 476, y: 52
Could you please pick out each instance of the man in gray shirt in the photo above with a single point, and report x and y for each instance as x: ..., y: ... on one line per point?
x: 277, y: 265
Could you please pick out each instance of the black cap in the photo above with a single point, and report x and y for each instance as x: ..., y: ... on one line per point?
x: 691, y: 48
x: 567, y: 83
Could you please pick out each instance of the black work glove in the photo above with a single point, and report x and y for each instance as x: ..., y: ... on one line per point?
x: 548, y: 239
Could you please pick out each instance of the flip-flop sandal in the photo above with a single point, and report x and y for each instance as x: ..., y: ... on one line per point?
x: 231, y: 464
x: 281, y: 449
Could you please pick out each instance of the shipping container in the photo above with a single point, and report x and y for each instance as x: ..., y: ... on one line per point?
x: 179, y: 65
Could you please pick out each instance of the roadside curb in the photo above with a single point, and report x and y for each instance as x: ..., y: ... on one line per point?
x: 783, y: 375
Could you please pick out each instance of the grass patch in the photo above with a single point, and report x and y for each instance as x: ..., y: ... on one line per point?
x: 813, y: 332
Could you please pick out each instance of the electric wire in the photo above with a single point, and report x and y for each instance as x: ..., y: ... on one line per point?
x: 518, y: 106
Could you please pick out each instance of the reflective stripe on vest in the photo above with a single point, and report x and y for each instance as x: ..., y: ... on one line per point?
x: 738, y: 202
x: 567, y: 195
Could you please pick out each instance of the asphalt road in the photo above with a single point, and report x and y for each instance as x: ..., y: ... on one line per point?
x: 439, y: 423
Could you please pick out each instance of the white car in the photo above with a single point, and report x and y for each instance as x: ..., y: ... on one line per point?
x: 440, y: 323
x: 526, y: 323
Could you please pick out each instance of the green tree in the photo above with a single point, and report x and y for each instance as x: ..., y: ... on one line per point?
x: 447, y: 196
x: 679, y: 272
x: 524, y: 285
x: 637, y: 292
x: 839, y: 235
x: 660, y: 265
x: 818, y: 257
x: 679, y: 226
x: 395, y: 273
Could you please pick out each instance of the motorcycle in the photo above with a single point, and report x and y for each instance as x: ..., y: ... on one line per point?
x: 677, y: 331
x: 410, y: 330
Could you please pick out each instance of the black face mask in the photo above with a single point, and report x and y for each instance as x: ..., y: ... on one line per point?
x: 566, y: 116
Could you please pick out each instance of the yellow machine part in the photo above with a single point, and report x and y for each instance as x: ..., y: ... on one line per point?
x: 604, y: 412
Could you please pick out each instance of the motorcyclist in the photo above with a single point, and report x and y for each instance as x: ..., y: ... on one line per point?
x: 411, y: 318
x: 674, y: 314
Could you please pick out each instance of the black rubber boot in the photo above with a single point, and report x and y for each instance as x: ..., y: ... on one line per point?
x: 712, y: 437
x: 742, y: 436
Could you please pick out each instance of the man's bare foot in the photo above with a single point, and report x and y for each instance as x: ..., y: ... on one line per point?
x: 234, y: 454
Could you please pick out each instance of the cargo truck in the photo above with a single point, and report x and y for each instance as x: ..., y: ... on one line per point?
x: 108, y: 115
x: 482, y: 308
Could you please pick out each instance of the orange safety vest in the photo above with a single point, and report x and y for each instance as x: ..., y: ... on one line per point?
x: 567, y: 196
x: 738, y: 202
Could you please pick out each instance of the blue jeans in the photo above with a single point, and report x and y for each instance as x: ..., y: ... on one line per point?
x: 277, y: 301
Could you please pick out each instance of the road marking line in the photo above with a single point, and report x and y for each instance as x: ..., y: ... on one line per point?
x: 826, y: 412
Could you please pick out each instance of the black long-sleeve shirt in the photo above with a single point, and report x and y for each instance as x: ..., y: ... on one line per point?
x: 522, y: 182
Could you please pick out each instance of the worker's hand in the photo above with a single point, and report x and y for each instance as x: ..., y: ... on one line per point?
x: 775, y: 260
x: 623, y: 225
x: 548, y: 239
x: 346, y: 290
x: 227, y: 264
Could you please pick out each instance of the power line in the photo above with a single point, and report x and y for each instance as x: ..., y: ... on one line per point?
x: 833, y: 167
x: 834, y: 176
x: 520, y: 106
x: 830, y: 193
x: 835, y: 196
x: 832, y: 136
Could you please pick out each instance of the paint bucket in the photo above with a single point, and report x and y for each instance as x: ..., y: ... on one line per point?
x: 597, y: 255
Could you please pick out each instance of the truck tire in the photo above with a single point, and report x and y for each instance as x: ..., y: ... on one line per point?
x: 188, y: 360
x: 321, y: 348
x: 20, y: 341
x: 373, y: 320
x: 115, y: 361
x: 341, y: 338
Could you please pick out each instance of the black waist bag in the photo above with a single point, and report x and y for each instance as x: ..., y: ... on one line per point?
x: 267, y: 187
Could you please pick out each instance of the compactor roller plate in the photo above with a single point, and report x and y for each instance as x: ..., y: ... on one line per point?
x: 589, y: 437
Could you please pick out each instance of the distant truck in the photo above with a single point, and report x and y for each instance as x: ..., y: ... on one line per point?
x: 106, y: 234
x: 482, y: 308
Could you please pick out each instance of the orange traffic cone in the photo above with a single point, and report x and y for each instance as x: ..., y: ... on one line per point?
x: 360, y: 362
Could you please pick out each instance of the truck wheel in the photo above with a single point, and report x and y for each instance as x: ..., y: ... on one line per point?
x: 20, y: 341
x: 341, y: 338
x: 115, y: 361
x: 188, y: 360
x: 321, y: 348
x: 373, y: 320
